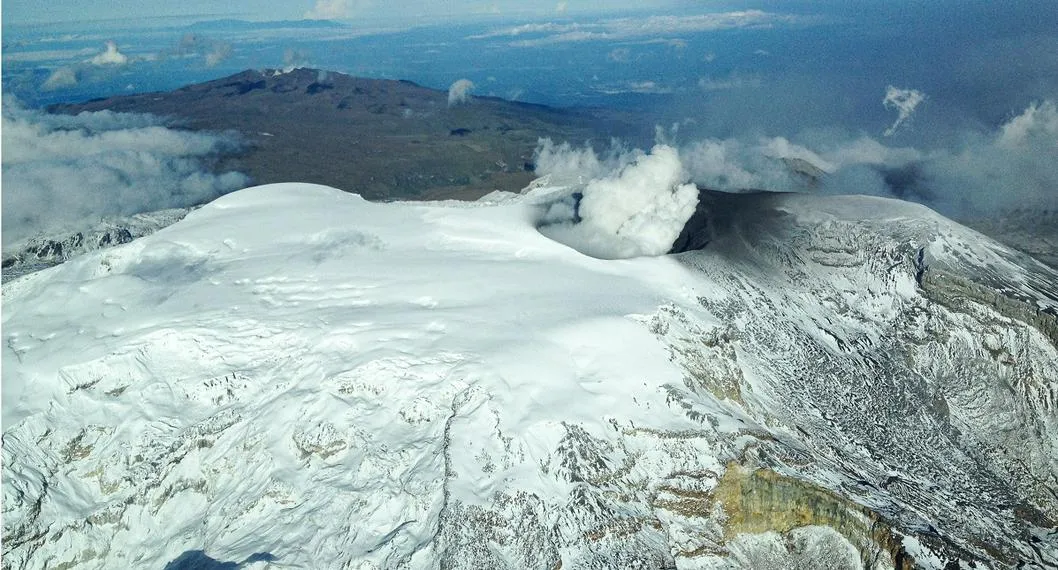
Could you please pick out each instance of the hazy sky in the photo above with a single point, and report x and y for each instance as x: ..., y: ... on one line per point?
x: 33, y: 11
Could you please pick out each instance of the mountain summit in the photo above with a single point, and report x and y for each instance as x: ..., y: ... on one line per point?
x: 292, y: 376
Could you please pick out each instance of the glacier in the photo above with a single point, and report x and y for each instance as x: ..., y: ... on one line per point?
x: 292, y: 376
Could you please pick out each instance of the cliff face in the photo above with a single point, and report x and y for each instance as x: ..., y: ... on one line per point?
x: 946, y: 398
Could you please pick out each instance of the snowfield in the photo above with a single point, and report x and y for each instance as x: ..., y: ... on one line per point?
x: 294, y: 377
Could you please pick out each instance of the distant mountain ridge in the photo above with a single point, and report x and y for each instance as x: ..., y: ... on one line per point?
x: 229, y: 24
x: 383, y: 139
x: 397, y: 140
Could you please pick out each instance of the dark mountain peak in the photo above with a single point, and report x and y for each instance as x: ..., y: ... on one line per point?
x: 288, y: 86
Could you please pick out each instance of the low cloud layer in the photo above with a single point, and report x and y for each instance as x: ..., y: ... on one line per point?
x: 459, y: 92
x: 634, y: 205
x: 1014, y: 167
x: 536, y: 34
x: 732, y: 81
x: 60, y: 171
x: 1036, y: 126
x: 69, y: 76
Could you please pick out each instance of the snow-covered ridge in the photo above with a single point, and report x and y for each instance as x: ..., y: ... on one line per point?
x: 292, y: 375
x: 43, y: 251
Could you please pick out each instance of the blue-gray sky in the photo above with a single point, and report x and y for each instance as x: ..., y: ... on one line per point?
x: 16, y: 12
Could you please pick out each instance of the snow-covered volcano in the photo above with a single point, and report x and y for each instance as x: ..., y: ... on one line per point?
x: 294, y: 377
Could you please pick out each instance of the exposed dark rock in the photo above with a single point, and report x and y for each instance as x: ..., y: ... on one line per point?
x: 45, y: 251
x: 244, y: 87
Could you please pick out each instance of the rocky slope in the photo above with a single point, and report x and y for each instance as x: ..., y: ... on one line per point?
x: 45, y: 251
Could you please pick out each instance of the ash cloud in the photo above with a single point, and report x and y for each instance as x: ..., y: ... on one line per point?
x: 293, y: 58
x: 64, y: 172
x: 635, y: 204
x: 566, y: 165
x: 735, y: 165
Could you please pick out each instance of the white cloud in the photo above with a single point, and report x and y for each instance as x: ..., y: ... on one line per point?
x: 718, y: 165
x: 1013, y: 167
x: 528, y: 29
x: 219, y: 53
x: 781, y: 148
x: 46, y: 55
x: 648, y: 87
x: 644, y: 87
x: 102, y: 64
x: 632, y: 28
x: 866, y: 150
x: 764, y: 164
x: 655, y: 25
x: 212, y: 51
x: 459, y: 92
x: 294, y: 58
x: 565, y: 165
x: 1038, y: 123
x: 110, y: 56
x: 904, y: 101
x: 619, y: 55
x: 733, y: 81
x: 329, y: 10
x: 60, y: 79
x: 636, y: 210
x: 60, y: 172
